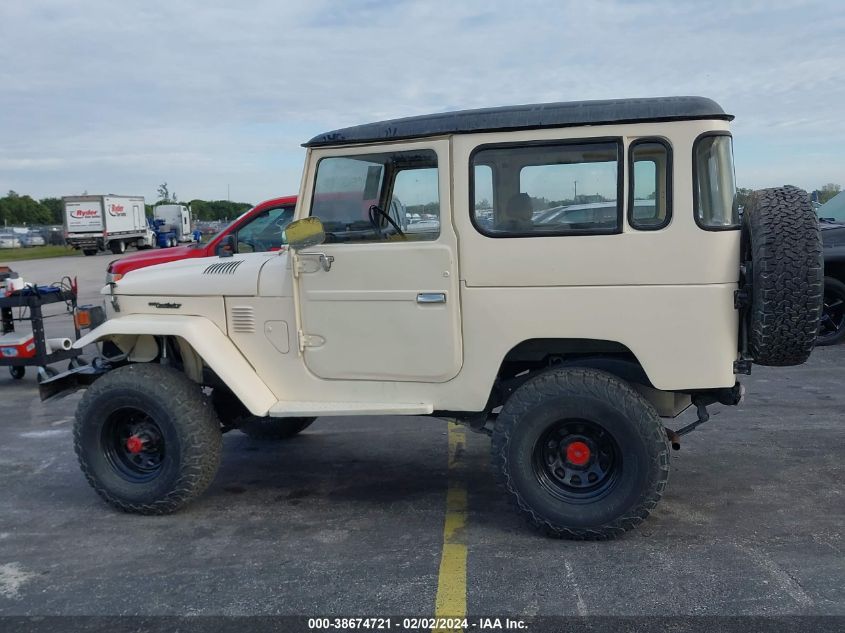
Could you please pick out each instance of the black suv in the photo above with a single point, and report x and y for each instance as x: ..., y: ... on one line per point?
x: 832, y: 224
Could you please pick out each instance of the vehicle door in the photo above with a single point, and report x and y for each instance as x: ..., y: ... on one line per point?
x: 377, y: 302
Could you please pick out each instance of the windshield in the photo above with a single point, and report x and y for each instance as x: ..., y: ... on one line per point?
x: 226, y: 228
x: 833, y: 209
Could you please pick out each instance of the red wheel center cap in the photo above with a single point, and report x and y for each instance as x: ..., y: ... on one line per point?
x: 134, y: 444
x: 578, y: 453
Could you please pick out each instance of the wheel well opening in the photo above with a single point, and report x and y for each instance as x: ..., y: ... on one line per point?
x: 533, y: 356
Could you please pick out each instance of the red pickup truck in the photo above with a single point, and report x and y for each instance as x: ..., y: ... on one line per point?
x: 259, y: 229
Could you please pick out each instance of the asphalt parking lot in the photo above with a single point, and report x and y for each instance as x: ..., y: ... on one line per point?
x: 348, y: 518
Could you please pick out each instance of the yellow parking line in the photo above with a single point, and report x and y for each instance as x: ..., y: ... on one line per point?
x: 451, y: 599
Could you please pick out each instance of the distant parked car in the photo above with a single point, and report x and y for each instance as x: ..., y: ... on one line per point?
x: 31, y: 239
x: 9, y: 240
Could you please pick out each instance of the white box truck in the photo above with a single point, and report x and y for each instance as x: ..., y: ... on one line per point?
x: 175, y: 218
x: 96, y: 223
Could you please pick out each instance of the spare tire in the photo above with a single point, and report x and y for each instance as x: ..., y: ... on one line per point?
x: 783, y: 265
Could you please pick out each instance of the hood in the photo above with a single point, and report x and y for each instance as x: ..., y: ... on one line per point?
x: 150, y: 257
x: 199, y: 276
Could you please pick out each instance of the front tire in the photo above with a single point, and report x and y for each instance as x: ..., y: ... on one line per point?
x: 147, y: 439
x: 581, y: 454
x: 117, y: 247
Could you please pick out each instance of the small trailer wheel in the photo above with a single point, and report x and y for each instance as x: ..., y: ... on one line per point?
x: 17, y: 371
x: 46, y: 372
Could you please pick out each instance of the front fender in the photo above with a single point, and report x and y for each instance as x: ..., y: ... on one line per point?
x: 214, y: 347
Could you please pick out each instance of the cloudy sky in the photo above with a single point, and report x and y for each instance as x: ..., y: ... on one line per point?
x: 109, y: 96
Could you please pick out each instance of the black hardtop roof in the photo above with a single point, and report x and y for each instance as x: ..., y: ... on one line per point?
x: 530, y: 116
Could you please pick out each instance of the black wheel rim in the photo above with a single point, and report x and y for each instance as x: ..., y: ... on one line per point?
x: 577, y: 461
x: 133, y: 444
x: 833, y: 315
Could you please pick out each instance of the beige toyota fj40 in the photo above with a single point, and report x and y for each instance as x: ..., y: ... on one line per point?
x: 566, y: 277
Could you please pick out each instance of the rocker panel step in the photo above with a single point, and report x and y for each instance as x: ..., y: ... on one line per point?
x: 297, y: 409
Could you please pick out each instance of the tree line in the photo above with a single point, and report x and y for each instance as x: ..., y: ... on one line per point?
x: 23, y: 210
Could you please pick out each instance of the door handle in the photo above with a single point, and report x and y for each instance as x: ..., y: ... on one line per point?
x: 325, y: 260
x: 431, y: 297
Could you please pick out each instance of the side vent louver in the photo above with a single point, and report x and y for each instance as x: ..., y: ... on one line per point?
x: 242, y: 319
x: 223, y: 268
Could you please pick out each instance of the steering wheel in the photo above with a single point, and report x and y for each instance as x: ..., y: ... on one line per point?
x: 376, y: 211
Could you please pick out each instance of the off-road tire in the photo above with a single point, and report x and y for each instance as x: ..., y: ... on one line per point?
x: 781, y: 240
x: 89, y: 252
x: 833, y: 290
x: 272, y: 429
x: 233, y: 414
x: 581, y: 394
x: 117, y: 247
x: 188, y: 424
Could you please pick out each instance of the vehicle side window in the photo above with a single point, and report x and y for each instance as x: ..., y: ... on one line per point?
x: 415, y: 201
x: 547, y: 189
x: 650, y: 180
x: 714, y: 187
x: 376, y: 197
x: 265, y: 232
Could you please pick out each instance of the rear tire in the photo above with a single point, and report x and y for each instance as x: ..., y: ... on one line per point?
x: 832, y: 328
x: 580, y: 454
x: 274, y: 429
x: 147, y: 439
x: 782, y: 255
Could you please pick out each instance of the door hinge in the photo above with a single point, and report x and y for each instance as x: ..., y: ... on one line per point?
x: 309, y: 340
